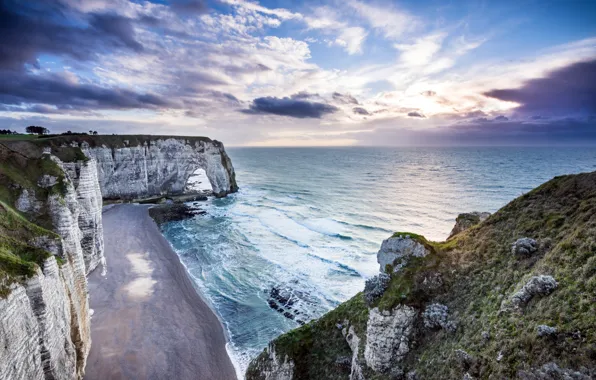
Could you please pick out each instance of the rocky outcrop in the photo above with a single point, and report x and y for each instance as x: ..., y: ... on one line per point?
x: 272, y: 366
x: 467, y: 220
x: 397, y: 250
x: 536, y: 286
x: 473, y: 306
x: 388, y: 336
x: 52, y: 304
x: 159, y: 166
x: 523, y: 247
x: 59, y: 184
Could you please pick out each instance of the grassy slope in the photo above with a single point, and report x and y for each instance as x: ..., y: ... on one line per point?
x: 479, y: 272
x: 18, y: 259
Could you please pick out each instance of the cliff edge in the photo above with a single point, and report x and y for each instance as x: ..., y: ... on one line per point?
x: 510, y: 295
x: 51, y: 232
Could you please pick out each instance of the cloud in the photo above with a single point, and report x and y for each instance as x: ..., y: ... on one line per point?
x: 190, y: 6
x: 326, y: 20
x: 570, y: 90
x: 66, y: 93
x: 344, y: 98
x: 422, y: 51
x: 360, y: 111
x: 290, y: 107
x: 390, y: 21
x: 28, y: 29
x: 416, y: 114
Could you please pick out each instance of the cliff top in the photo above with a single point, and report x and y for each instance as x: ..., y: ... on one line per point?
x: 61, y: 145
x: 494, y: 296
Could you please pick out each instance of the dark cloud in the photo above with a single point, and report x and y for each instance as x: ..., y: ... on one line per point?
x: 416, y: 114
x: 501, y: 118
x: 360, y: 111
x: 565, y: 131
x: 190, y: 6
x: 567, y: 91
x: 30, y: 28
x: 290, y: 107
x: 428, y: 93
x: 304, y: 95
x: 66, y: 94
x: 344, y: 98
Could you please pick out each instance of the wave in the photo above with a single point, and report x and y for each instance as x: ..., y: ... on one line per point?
x: 363, y: 226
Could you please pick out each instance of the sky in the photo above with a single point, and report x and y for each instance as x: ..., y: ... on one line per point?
x: 304, y: 73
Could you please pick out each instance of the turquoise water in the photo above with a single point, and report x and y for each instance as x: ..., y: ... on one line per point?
x: 302, y: 234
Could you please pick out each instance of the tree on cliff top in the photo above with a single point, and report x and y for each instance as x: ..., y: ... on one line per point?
x: 37, y: 130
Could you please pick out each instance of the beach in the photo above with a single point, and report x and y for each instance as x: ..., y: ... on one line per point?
x: 148, y: 320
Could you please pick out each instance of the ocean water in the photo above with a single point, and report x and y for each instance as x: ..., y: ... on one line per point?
x: 302, y: 233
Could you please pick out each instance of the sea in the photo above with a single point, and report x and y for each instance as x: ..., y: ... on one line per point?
x: 302, y: 233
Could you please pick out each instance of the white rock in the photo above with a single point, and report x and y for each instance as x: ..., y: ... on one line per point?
x: 396, y: 251
x: 388, y: 336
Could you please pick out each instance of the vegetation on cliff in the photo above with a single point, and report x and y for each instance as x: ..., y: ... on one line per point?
x: 475, y: 277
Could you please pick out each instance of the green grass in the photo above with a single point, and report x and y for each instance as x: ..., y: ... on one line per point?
x: 18, y: 258
x: 18, y: 137
x: 478, y: 273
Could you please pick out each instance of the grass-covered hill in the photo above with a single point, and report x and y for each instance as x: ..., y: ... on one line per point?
x: 491, y: 296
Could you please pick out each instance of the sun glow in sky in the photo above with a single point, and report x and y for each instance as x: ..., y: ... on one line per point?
x: 313, y: 73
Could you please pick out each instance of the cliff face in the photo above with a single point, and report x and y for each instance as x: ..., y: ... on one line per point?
x: 509, y: 295
x: 51, y: 233
x: 132, y: 167
x: 44, y: 310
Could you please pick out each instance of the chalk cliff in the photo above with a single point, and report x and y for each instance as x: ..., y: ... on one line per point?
x: 510, y: 295
x: 132, y: 167
x: 51, y: 233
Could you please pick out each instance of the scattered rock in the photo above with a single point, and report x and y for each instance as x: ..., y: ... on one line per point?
x: 467, y: 376
x: 544, y: 330
x: 173, y: 212
x: 464, y: 359
x: 537, y: 286
x: 397, y: 250
x: 467, y: 220
x: 436, y: 317
x: 388, y: 336
x: 551, y: 371
x: 343, y: 361
x: 412, y: 375
x: 375, y: 287
x: 500, y: 356
x: 290, y: 302
x: 485, y: 335
x: 46, y: 181
x: 524, y: 247
x: 432, y: 281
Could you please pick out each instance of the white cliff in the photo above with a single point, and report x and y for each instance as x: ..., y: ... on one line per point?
x: 44, y: 320
x: 160, y: 166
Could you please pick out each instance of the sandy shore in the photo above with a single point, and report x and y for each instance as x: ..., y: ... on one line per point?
x: 149, y: 322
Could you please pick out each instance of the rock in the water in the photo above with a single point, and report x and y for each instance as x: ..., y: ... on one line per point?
x: 173, y: 212
x: 524, y: 247
x: 436, y: 317
x: 467, y: 220
x: 375, y: 287
x: 388, y: 335
x: 544, y: 330
x: 396, y: 251
x: 537, y: 286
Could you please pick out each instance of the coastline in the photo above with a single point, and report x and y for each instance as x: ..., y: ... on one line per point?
x: 150, y: 320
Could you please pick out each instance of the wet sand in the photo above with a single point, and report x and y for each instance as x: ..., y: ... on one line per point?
x: 149, y: 322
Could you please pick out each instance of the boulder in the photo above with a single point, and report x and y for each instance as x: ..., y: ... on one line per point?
x: 467, y: 220
x: 524, y: 247
x: 397, y: 250
x: 375, y: 287
x: 388, y: 336
x: 536, y: 286
x: 436, y: 317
